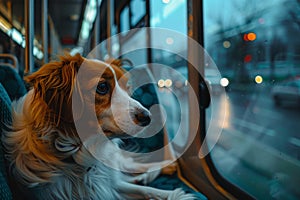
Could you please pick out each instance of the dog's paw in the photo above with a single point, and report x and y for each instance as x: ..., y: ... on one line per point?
x: 148, y: 177
x: 180, y: 194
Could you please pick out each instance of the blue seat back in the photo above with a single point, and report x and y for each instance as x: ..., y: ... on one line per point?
x: 12, y: 82
x: 5, y: 116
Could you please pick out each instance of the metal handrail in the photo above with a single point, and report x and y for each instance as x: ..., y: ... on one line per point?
x: 14, y: 59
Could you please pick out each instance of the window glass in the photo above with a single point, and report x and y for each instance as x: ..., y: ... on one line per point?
x: 170, y: 14
x: 138, y: 10
x: 125, y: 26
x: 297, y: 83
x: 170, y: 69
x: 255, y: 46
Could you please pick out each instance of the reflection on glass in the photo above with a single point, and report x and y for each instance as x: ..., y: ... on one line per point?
x: 125, y: 26
x: 172, y: 71
x: 138, y: 10
x: 255, y: 45
x: 171, y: 15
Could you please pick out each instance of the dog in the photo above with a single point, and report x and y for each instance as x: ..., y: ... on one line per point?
x: 49, y: 159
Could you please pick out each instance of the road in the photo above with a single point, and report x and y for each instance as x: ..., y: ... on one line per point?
x: 259, y: 147
x: 254, y: 114
x: 250, y: 113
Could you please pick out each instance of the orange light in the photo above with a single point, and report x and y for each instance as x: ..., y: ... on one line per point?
x: 251, y: 36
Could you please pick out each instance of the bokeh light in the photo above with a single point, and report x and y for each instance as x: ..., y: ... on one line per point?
x: 161, y: 83
x: 258, y: 79
x: 226, y: 44
x: 168, y: 83
x: 224, y: 82
x: 249, y: 36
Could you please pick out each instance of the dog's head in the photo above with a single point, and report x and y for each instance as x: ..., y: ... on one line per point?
x: 100, y: 89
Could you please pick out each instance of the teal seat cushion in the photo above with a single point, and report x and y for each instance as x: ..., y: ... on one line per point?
x: 12, y: 82
x: 5, y: 116
x: 172, y: 182
x: 147, y: 96
x: 5, y: 193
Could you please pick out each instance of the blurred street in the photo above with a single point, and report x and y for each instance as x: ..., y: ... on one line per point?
x: 260, y: 143
x: 256, y: 115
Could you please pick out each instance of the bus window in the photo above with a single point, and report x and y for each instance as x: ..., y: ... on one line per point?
x: 255, y: 46
x: 169, y: 14
x: 125, y: 26
x: 138, y: 11
x: 169, y: 70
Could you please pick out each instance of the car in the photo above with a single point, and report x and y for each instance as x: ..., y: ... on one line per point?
x: 287, y: 91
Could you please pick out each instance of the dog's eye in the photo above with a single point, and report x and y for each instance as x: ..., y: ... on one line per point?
x: 102, y: 88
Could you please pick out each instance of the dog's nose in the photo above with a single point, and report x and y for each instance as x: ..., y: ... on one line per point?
x: 142, y: 118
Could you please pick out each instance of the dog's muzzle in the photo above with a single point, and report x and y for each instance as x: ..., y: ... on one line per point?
x: 141, y: 117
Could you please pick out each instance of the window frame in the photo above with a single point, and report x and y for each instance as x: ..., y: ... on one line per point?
x: 212, y: 184
x: 213, y: 176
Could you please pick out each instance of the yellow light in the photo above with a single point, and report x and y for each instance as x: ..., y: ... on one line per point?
x: 4, y: 25
x: 168, y: 83
x: 226, y: 44
x: 166, y: 1
x: 161, y: 83
x: 258, y: 79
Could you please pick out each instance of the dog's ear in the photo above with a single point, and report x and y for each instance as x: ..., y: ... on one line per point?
x: 116, y: 62
x: 54, y: 83
x: 119, y: 63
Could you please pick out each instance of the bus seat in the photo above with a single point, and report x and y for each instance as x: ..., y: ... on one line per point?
x: 166, y: 182
x: 5, y: 116
x: 147, y: 95
x: 171, y: 182
x: 12, y: 82
x: 156, y: 141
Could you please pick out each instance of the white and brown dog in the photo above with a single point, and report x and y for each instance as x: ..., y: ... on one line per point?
x: 49, y: 159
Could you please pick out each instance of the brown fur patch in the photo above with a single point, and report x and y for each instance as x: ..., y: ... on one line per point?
x: 53, y: 84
